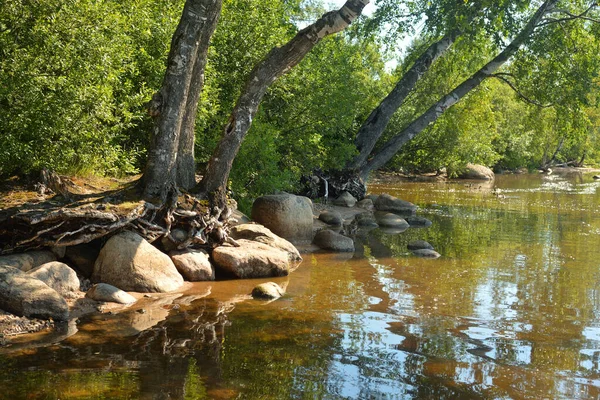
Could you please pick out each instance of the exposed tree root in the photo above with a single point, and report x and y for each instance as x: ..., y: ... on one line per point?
x: 53, y: 224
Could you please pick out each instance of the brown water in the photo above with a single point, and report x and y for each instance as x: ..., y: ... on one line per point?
x: 510, y: 311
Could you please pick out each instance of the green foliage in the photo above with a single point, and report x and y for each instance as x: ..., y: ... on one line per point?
x: 73, y: 80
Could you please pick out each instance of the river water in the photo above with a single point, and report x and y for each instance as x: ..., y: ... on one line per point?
x: 510, y: 311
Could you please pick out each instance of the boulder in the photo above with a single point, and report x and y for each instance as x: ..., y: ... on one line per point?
x: 193, y: 265
x: 129, y: 262
x: 23, y: 295
x: 259, y: 233
x: 331, y: 217
x: 330, y: 240
x: 27, y: 261
x: 251, y: 260
x: 268, y: 290
x: 286, y: 215
x: 385, y: 202
x: 345, y: 199
x: 83, y: 256
x: 426, y: 253
x: 366, y: 204
x: 110, y: 294
x: 58, y: 276
x: 478, y: 172
x: 417, y: 221
x: 366, y: 220
x: 419, y: 244
x: 59, y: 251
x: 391, y: 220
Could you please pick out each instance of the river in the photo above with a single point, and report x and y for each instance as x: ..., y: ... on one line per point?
x: 510, y: 311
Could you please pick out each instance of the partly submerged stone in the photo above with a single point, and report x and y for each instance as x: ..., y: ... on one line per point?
x: 366, y: 204
x: 478, y: 172
x: 23, y: 295
x: 193, y: 265
x: 58, y: 276
x: 331, y: 217
x: 426, y: 253
x: 385, y: 202
x: 268, y: 290
x: 286, y: 215
x: 330, y: 240
x: 129, y: 262
x: 252, y: 260
x: 418, y: 221
x: 391, y: 220
x: 419, y: 244
x: 259, y: 233
x: 366, y: 220
x: 110, y: 294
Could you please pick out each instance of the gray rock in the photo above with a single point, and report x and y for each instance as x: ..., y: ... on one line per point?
x: 329, y: 240
x: 193, y: 265
x: 478, y: 172
x: 129, y: 262
x: 268, y: 290
x: 372, y: 197
x: 366, y: 204
x: 391, y: 220
x: 286, y: 215
x: 259, y: 233
x: 26, y: 296
x: 366, y: 220
x: 179, y: 235
x: 59, y: 251
x: 83, y: 257
x: 110, y: 294
x: 58, y: 276
x: 345, y: 200
x: 419, y: 245
x: 417, y: 221
x: 252, y: 260
x: 27, y: 261
x: 426, y: 253
x: 331, y: 217
x: 385, y: 202
x: 240, y: 218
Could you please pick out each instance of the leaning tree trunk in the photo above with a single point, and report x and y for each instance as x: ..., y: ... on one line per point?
x: 372, y: 129
x: 169, y: 105
x: 434, y: 112
x: 279, y: 61
x: 186, y: 165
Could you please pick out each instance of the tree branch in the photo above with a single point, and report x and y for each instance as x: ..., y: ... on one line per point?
x: 501, y: 76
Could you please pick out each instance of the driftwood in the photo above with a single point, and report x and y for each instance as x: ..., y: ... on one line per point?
x: 69, y: 222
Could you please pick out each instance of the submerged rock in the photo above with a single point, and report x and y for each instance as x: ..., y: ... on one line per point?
x: 331, y: 217
x: 252, y: 260
x: 58, y: 276
x: 345, y: 199
x: 419, y: 244
x: 27, y: 261
x: 193, y: 265
x: 23, y: 295
x: 366, y: 220
x: 385, y: 202
x: 129, y: 262
x: 330, y: 240
x: 286, y: 215
x: 261, y: 234
x: 268, y: 290
x: 426, y: 253
x: 110, y: 294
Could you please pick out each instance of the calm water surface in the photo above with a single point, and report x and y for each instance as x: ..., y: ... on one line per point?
x: 510, y: 311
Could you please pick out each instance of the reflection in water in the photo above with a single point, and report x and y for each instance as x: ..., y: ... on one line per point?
x: 510, y: 310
